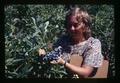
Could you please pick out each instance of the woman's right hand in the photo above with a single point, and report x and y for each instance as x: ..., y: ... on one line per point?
x: 41, y: 52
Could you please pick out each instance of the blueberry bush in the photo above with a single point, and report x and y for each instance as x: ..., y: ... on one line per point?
x: 30, y: 27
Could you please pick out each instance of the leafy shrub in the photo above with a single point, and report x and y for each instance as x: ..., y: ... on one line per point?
x: 30, y: 27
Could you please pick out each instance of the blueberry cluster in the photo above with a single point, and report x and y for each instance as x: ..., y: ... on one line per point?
x: 53, y: 55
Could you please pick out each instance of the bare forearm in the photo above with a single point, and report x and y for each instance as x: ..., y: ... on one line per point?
x: 82, y: 71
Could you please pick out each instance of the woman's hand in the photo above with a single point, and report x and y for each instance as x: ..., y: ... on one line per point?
x: 41, y: 52
x: 59, y: 61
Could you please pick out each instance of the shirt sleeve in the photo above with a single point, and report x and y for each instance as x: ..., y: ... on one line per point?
x: 93, y: 55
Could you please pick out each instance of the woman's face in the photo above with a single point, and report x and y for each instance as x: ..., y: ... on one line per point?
x: 75, y: 28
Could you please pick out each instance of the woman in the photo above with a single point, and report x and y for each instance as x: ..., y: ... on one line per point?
x: 78, y: 40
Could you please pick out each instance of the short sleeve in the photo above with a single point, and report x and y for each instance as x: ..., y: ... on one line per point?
x: 93, y: 55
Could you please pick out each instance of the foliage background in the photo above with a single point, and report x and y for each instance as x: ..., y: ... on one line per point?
x: 30, y: 27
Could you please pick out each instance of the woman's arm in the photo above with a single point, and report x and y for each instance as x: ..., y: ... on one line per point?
x: 84, y: 71
x: 81, y: 71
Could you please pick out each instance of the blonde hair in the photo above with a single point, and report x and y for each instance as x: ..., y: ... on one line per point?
x: 80, y: 15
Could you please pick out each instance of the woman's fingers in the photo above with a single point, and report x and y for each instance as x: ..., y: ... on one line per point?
x: 59, y: 61
x: 41, y: 51
x: 54, y: 62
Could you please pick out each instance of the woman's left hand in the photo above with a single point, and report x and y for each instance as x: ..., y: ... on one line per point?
x: 59, y: 61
